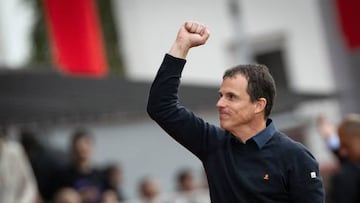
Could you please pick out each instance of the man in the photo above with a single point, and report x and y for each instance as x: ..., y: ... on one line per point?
x: 247, y: 159
x: 187, y: 191
x: 346, y: 185
x: 81, y: 175
x: 349, y: 134
x: 342, y: 186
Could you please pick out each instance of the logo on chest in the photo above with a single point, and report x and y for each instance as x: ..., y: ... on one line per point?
x: 266, y: 177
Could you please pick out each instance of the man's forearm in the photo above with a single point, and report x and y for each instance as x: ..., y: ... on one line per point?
x: 179, y: 50
x: 163, y: 91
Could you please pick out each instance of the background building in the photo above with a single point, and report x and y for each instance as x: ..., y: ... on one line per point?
x: 306, y: 45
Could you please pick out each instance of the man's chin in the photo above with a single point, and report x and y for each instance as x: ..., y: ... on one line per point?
x: 223, y: 125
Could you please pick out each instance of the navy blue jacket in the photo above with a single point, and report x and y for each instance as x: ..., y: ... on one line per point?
x: 269, y: 167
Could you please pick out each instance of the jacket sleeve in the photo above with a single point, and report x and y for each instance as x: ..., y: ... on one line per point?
x: 180, y: 123
x: 305, y: 182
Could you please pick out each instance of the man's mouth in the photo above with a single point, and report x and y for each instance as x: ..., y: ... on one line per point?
x: 223, y: 114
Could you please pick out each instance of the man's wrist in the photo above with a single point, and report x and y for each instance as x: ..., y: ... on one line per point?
x: 179, y: 50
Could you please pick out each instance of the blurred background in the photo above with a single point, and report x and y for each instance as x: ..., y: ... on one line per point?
x: 66, y: 65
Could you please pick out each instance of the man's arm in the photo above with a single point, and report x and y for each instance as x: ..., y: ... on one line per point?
x: 163, y: 104
x: 328, y: 132
x: 305, y: 182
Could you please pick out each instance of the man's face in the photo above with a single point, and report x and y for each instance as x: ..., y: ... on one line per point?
x: 150, y: 190
x: 350, y: 145
x: 188, y: 183
x: 83, y: 149
x: 234, y: 105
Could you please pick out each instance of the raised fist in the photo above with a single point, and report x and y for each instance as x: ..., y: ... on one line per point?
x: 191, y: 34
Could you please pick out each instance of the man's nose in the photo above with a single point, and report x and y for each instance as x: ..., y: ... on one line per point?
x: 220, y: 103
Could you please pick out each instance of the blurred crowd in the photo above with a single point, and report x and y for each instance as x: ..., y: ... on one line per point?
x: 31, y: 172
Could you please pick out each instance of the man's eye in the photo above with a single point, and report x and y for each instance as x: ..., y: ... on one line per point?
x: 231, y: 96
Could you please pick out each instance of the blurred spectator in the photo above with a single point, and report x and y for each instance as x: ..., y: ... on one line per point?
x: 45, y: 163
x: 186, y: 181
x: 114, y: 179
x: 345, y: 143
x: 349, y: 134
x: 347, y: 182
x: 329, y: 133
x: 188, y: 192
x: 17, y: 182
x: 110, y: 196
x: 67, y: 195
x: 80, y: 174
x: 149, y: 192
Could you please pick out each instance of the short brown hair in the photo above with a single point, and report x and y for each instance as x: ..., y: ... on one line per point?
x: 351, y: 123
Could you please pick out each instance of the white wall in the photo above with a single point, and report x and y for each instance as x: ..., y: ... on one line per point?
x: 148, y: 29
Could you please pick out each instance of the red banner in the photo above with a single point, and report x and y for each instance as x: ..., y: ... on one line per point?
x: 76, y: 37
x: 349, y: 18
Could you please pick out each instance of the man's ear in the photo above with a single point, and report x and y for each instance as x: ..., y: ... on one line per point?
x: 260, y: 105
